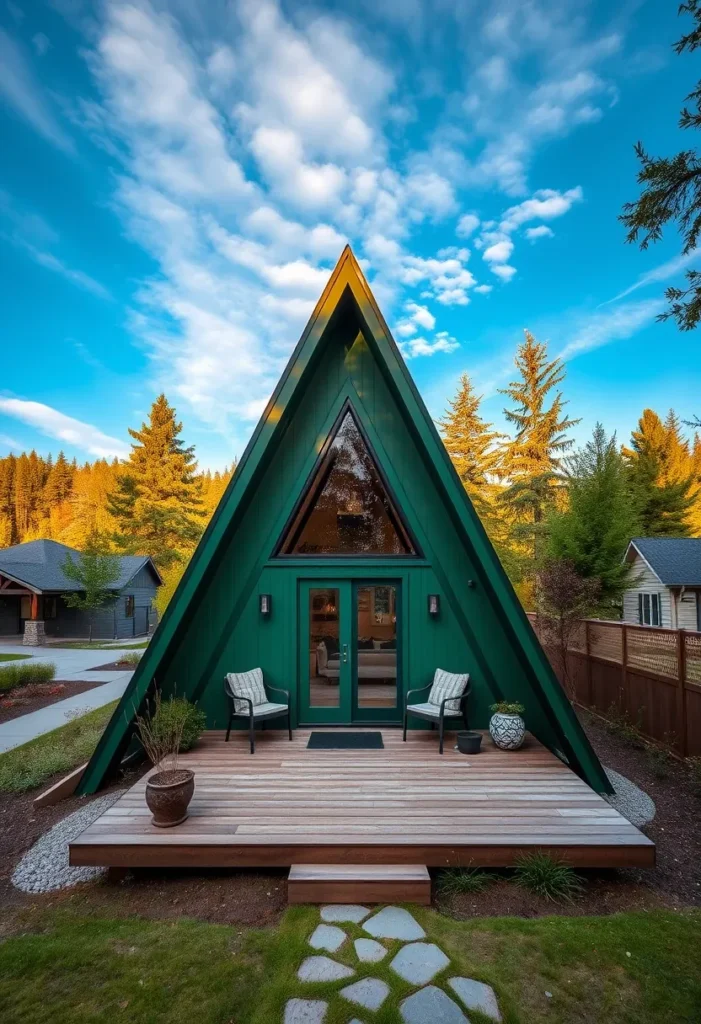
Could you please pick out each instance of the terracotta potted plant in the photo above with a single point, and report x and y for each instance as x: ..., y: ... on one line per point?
x: 169, y: 790
x: 506, y: 726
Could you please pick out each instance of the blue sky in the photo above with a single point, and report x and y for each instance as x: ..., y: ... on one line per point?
x: 178, y: 179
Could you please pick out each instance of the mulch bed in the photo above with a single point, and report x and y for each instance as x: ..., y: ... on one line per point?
x: 24, y: 699
x: 254, y: 897
x: 114, y: 666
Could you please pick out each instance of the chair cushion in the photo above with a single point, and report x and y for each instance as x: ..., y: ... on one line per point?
x: 424, y: 709
x: 447, y: 684
x: 250, y: 685
x: 264, y: 709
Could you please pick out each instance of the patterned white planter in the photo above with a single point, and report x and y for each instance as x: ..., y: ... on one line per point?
x: 507, y: 731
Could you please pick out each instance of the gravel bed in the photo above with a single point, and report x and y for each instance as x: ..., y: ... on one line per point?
x: 629, y: 800
x: 45, y: 867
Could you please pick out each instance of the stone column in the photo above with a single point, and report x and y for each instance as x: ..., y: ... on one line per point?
x: 34, y: 633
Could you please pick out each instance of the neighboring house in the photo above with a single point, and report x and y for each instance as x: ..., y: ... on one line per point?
x: 32, y: 585
x: 667, y: 582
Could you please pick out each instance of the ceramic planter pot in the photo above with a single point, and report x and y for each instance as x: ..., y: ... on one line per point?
x: 507, y: 731
x: 168, y: 795
x: 469, y: 742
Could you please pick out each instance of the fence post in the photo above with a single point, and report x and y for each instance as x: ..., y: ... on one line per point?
x: 623, y: 696
x: 681, y: 692
x: 587, y: 648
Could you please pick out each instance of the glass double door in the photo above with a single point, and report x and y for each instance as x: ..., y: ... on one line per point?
x: 350, y: 655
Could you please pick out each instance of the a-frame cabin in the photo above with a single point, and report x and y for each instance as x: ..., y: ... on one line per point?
x: 346, y: 515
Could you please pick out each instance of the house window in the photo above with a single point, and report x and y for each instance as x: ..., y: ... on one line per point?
x: 49, y: 607
x: 129, y: 606
x: 649, y: 609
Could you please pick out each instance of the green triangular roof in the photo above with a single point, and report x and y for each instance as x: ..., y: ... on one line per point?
x: 562, y: 733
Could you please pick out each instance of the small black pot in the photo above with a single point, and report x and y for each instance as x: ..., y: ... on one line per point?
x: 469, y: 742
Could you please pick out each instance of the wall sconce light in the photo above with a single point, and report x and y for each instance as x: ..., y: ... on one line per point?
x: 265, y: 604
x: 434, y: 605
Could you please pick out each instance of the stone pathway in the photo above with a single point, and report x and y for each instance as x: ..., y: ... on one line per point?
x: 423, y: 965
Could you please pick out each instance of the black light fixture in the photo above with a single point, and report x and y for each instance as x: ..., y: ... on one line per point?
x: 434, y: 605
x: 265, y: 603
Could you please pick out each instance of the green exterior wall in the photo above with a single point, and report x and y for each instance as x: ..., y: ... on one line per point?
x: 216, y: 626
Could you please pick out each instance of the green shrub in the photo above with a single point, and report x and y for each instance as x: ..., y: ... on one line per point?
x: 547, y: 877
x: 505, y: 707
x: 176, y: 711
x: 22, y: 673
x: 133, y: 658
x: 454, y: 881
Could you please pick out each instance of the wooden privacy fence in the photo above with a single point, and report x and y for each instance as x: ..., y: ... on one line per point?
x: 653, y: 676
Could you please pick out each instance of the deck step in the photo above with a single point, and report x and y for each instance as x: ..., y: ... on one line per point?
x: 359, y: 883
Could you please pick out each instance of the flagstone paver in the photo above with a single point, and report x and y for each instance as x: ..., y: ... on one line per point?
x: 419, y: 962
x: 431, y: 1004
x: 369, y: 951
x: 368, y: 992
x: 394, y: 923
x: 339, y: 912
x: 476, y: 996
x: 322, y: 968
x: 328, y: 937
x: 305, y: 1011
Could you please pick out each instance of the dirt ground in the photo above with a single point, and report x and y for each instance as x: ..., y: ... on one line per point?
x: 25, y: 699
x: 258, y: 897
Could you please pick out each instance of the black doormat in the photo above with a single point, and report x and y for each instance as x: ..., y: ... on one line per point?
x: 345, y: 741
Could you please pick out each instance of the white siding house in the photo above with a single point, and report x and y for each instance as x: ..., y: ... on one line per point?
x: 666, y: 582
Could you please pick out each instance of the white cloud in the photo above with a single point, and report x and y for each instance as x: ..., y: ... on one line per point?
x: 541, y: 231
x: 442, y: 342
x: 453, y: 297
x: 23, y: 93
x: 546, y: 204
x: 306, y: 185
x: 484, y: 289
x: 56, y: 424
x: 76, y: 277
x: 661, y: 273
x: 41, y: 43
x: 504, y: 271
x: 221, y: 65
x: 602, y: 328
x: 421, y: 315
x: 499, y: 251
x: 467, y: 224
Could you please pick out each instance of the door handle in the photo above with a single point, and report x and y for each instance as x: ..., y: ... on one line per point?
x: 345, y: 652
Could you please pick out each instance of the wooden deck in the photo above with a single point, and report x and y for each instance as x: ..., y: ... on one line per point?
x: 402, y: 805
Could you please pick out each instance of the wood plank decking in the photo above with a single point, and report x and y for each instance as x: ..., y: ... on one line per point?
x: 402, y: 805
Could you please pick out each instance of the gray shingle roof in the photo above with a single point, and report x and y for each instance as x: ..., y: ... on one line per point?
x: 38, y: 564
x: 676, y: 560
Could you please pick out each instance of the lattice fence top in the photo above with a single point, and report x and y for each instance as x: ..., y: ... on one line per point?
x: 692, y: 646
x: 653, y: 650
x: 606, y: 641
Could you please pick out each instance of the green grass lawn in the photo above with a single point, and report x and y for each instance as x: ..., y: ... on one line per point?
x: 14, y: 657
x: 59, y: 751
x: 633, y: 968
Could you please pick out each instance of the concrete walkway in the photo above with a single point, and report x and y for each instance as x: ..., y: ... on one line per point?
x: 71, y: 665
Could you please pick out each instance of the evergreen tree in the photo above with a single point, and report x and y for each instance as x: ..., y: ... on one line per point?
x: 593, y: 533
x: 672, y: 193
x: 660, y: 478
x: 532, y: 461
x: 157, y: 504
x: 471, y: 444
x: 8, y: 523
x: 59, y: 483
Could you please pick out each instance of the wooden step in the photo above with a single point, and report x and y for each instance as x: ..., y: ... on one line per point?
x: 359, y: 883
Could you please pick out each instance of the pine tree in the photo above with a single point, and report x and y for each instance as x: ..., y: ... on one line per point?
x: 157, y: 504
x: 8, y: 524
x: 660, y: 476
x: 672, y: 193
x: 593, y: 533
x: 471, y: 444
x: 532, y: 461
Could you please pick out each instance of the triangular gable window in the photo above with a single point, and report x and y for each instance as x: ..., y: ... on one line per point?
x: 346, y: 509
